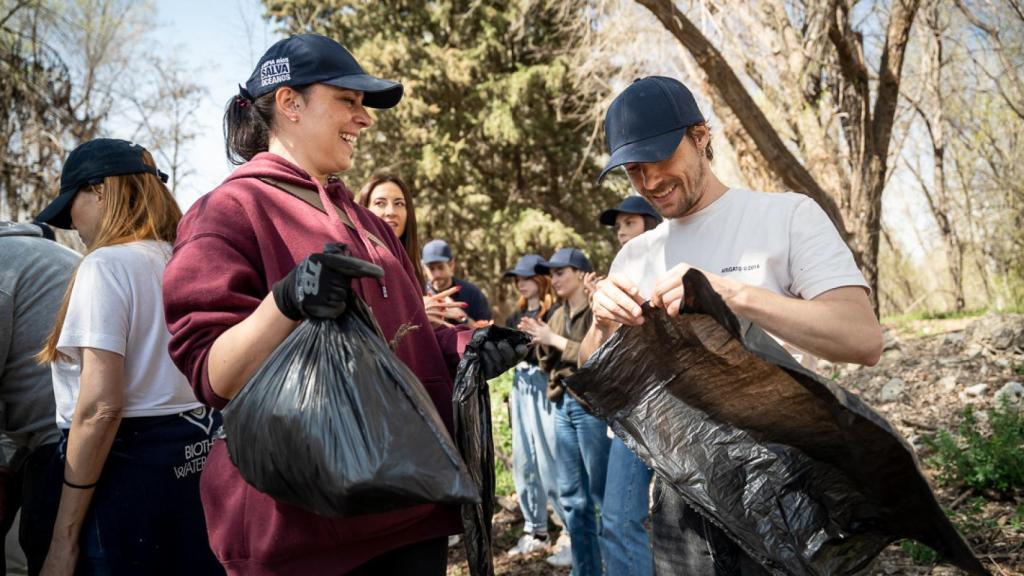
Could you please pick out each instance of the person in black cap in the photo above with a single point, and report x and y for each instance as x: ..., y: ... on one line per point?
x: 581, y: 440
x: 532, y: 415
x: 439, y: 264
x: 132, y: 430
x: 250, y: 265
x: 631, y: 218
x: 776, y: 259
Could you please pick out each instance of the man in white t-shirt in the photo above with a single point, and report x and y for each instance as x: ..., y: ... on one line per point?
x: 776, y: 260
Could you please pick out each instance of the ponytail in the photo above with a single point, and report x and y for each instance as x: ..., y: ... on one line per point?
x: 247, y: 124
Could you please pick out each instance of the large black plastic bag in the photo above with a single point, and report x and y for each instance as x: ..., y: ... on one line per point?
x: 805, y: 477
x: 471, y: 401
x: 335, y: 423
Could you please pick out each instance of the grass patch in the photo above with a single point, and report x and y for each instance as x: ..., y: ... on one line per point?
x: 501, y: 427
x: 919, y: 553
x: 903, y: 319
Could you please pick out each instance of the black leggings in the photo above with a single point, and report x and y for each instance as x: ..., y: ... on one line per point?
x: 426, y: 558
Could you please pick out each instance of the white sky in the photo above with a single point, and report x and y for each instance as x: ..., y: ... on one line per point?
x: 220, y: 40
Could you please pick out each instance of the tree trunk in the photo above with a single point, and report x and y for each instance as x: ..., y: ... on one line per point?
x: 735, y: 95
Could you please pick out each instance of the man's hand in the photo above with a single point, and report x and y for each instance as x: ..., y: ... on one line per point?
x: 441, y: 308
x: 617, y: 301
x: 668, y: 290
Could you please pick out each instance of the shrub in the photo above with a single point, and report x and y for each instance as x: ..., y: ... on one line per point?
x: 979, y: 460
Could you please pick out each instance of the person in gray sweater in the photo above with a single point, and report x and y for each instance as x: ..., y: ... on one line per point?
x: 34, y: 274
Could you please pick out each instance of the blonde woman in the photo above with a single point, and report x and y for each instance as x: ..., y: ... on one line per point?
x: 134, y: 436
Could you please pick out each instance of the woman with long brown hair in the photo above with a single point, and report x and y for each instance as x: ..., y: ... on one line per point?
x: 388, y: 196
x: 134, y: 435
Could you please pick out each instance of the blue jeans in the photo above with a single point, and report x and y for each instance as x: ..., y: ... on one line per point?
x: 582, y: 444
x: 533, y: 448
x: 624, y: 540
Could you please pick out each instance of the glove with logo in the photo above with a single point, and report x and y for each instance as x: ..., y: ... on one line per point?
x: 321, y: 285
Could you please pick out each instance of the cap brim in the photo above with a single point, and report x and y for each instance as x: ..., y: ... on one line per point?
x: 653, y: 149
x: 377, y: 92
x: 520, y: 273
x: 435, y: 260
x: 608, y: 217
x: 58, y: 212
x: 542, y: 268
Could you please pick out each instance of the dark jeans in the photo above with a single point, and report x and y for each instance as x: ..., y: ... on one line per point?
x: 427, y: 558
x: 31, y: 488
x: 146, y: 516
x: 685, y: 543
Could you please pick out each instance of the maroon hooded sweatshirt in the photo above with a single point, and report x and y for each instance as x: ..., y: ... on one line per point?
x: 232, y: 245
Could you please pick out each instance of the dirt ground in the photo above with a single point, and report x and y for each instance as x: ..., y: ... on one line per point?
x: 939, y: 365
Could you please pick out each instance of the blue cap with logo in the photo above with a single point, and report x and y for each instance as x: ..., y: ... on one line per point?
x: 571, y: 257
x: 647, y: 120
x: 89, y: 164
x: 436, y: 251
x: 305, y: 59
x: 525, y: 267
x: 630, y: 205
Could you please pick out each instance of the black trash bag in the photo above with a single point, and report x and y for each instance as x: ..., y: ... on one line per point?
x: 335, y: 423
x: 471, y: 401
x: 804, y: 476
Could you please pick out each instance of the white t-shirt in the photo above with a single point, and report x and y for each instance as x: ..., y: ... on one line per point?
x: 117, y: 305
x: 784, y: 243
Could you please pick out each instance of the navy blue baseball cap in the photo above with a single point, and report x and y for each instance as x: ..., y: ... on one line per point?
x: 314, y: 59
x: 571, y: 257
x: 89, y: 164
x: 647, y: 120
x: 631, y: 205
x: 436, y: 251
x: 525, y: 267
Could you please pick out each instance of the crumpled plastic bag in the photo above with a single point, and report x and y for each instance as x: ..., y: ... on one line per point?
x: 335, y: 423
x: 804, y: 476
x: 471, y: 402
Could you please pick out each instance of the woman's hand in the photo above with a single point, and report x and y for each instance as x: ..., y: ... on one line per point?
x: 441, y: 309
x: 590, y: 280
x: 538, y: 330
x: 61, y: 559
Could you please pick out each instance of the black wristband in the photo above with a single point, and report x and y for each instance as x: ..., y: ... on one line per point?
x: 80, y: 486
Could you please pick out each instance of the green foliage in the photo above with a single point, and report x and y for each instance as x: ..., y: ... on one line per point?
x: 979, y: 460
x: 490, y: 134
x: 501, y: 426
x: 918, y: 552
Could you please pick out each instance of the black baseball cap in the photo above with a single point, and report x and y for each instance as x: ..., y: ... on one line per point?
x: 305, y: 59
x: 572, y: 257
x: 436, y: 251
x: 647, y: 120
x: 525, y: 267
x: 631, y: 205
x: 89, y: 164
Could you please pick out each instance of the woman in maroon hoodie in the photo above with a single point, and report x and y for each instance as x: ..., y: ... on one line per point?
x: 248, y: 265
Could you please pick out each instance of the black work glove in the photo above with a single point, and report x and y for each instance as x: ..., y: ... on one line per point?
x: 498, y: 348
x: 321, y: 285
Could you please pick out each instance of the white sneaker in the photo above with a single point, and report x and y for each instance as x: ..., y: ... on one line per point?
x: 562, y: 556
x: 528, y: 544
x: 454, y: 540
